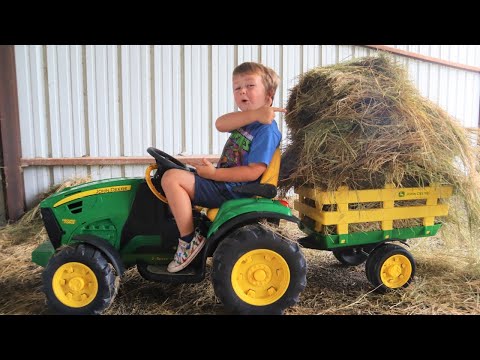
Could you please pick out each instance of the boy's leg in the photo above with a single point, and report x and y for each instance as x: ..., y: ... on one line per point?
x: 179, y: 188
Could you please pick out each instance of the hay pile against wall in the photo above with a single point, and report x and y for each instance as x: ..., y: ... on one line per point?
x: 363, y: 123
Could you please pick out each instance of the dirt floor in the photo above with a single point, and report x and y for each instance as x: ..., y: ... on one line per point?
x: 447, y: 282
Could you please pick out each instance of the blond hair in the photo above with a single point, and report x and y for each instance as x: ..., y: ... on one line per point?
x: 269, y: 77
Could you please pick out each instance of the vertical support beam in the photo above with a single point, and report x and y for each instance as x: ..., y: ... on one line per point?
x: 388, y: 204
x: 318, y: 208
x: 10, y: 134
x: 342, y: 208
x: 432, y: 200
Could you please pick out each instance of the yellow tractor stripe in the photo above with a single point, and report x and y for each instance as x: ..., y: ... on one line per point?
x: 83, y: 194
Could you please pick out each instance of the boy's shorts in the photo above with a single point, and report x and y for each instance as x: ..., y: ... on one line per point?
x: 209, y: 193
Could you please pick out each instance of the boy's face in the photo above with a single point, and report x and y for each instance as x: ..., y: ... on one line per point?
x: 249, y: 92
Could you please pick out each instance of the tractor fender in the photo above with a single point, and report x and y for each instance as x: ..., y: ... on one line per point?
x: 240, y: 220
x: 390, y: 241
x: 383, y: 242
x: 105, y: 247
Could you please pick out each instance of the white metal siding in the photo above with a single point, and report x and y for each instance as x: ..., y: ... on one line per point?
x: 168, y: 99
x: 223, y: 61
x: 109, y: 100
x: 34, y: 124
x: 102, y: 116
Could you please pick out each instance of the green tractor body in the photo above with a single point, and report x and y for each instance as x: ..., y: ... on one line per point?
x: 125, y: 214
x: 99, y: 209
x: 123, y: 224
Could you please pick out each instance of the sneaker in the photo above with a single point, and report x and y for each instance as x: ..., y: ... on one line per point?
x: 186, y: 252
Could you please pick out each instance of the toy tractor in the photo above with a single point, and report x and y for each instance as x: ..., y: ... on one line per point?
x: 99, y: 229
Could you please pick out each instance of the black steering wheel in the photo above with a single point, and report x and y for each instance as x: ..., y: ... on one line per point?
x: 167, y: 161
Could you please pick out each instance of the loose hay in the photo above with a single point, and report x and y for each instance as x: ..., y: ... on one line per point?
x: 30, y: 224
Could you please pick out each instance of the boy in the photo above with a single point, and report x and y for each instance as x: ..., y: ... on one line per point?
x: 247, y: 153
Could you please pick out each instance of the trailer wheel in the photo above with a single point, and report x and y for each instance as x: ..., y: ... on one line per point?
x: 350, y: 256
x: 390, y: 267
x: 79, y: 280
x: 255, y: 271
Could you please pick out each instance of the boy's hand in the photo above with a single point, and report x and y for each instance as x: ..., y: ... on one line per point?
x: 266, y: 114
x: 207, y: 170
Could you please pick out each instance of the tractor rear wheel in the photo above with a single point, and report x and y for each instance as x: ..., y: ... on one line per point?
x: 255, y: 271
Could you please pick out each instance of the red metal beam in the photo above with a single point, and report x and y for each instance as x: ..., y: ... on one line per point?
x: 424, y: 58
x: 10, y: 133
x: 100, y: 161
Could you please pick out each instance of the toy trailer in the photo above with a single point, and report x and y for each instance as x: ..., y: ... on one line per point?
x: 388, y: 266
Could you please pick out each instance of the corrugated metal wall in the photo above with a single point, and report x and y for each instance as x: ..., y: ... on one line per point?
x: 113, y: 100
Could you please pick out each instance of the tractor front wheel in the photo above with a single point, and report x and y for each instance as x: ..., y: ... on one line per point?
x: 79, y: 280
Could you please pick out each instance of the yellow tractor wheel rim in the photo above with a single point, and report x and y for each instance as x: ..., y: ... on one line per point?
x: 396, y: 271
x: 75, y: 284
x: 260, y: 277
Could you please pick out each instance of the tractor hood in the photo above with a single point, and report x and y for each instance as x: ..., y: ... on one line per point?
x: 97, y: 208
x: 87, y: 190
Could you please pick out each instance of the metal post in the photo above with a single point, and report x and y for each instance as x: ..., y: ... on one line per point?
x: 10, y: 134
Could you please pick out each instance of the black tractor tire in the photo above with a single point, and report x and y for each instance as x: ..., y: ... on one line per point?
x: 286, y: 255
x: 401, y: 274
x: 350, y: 256
x: 95, y: 261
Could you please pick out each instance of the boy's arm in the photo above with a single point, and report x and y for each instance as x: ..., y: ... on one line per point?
x: 236, y: 120
x: 250, y: 172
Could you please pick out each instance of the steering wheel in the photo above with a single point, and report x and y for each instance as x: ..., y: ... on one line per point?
x: 165, y: 160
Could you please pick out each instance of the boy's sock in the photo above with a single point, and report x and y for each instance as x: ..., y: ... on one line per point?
x: 188, y: 238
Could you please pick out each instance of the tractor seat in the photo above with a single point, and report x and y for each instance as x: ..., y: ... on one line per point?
x: 266, y: 188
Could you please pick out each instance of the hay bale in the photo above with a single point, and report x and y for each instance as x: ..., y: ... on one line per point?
x: 363, y: 124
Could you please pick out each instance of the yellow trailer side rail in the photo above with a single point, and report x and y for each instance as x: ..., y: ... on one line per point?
x: 388, y: 197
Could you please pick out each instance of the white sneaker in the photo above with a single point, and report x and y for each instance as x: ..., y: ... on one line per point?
x: 186, y: 252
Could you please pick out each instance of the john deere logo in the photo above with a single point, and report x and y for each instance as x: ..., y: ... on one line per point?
x: 105, y: 190
x: 401, y: 194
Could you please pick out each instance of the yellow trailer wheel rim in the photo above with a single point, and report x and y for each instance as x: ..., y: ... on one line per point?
x: 260, y: 277
x: 396, y: 271
x: 75, y: 284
